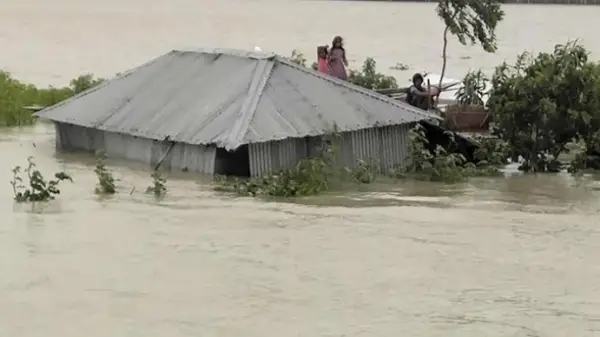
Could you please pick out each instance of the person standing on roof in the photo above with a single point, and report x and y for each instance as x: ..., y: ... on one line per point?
x: 323, y: 59
x: 418, y: 96
x: 337, y: 59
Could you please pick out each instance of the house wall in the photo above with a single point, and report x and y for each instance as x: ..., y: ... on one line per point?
x: 178, y: 156
x: 388, y: 146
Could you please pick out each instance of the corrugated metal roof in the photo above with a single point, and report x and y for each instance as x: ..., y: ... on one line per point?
x: 228, y: 98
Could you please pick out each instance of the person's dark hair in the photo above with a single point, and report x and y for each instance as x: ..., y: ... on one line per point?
x: 417, y: 77
x: 336, y: 40
x: 322, y: 50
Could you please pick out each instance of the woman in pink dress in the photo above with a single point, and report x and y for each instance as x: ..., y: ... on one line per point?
x: 323, y: 59
x: 337, y: 59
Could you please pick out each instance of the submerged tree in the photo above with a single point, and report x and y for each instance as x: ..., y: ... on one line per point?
x: 471, y: 21
x: 542, y: 103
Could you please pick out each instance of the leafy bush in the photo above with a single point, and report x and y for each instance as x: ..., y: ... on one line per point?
x: 39, y: 189
x: 158, y: 187
x: 441, y: 164
x: 542, y: 103
x: 369, y: 78
x: 491, y: 151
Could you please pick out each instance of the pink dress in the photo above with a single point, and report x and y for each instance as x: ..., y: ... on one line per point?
x: 324, y: 65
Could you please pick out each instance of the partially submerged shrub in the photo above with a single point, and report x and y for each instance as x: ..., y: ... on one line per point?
x: 543, y: 103
x: 38, y: 189
x: 106, y: 181
x: 491, y: 151
x: 158, y: 187
x: 365, y: 172
x: 442, y: 164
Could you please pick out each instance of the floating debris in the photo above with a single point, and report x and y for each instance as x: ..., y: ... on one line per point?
x: 400, y: 66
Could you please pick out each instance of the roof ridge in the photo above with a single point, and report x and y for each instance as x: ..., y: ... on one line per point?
x: 355, y: 87
x: 259, y: 81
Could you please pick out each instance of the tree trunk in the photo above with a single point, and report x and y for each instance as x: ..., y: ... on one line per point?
x: 444, y: 61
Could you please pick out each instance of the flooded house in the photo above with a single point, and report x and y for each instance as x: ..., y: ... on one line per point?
x: 222, y: 111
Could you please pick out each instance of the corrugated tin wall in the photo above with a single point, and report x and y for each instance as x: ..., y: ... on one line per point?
x: 178, y: 156
x: 276, y: 156
x: 395, y: 143
x: 387, y: 146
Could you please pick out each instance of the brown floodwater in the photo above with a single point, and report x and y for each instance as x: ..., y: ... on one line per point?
x: 512, y: 256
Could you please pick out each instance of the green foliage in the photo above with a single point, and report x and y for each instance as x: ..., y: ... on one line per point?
x: 473, y: 21
x: 542, y: 103
x: 473, y: 89
x: 83, y: 83
x: 158, y: 187
x: 365, y: 172
x: 39, y: 189
x: 491, y: 151
x: 15, y: 95
x: 441, y: 164
x: 369, y: 78
x: 106, y: 181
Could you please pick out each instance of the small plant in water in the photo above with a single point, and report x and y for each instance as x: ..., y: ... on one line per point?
x: 106, y: 181
x: 158, y: 187
x: 39, y: 189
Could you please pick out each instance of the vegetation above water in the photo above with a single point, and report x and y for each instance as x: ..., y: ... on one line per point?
x: 106, y: 181
x: 543, y: 104
x: 324, y: 172
x: 15, y: 96
x: 471, y: 22
x: 37, y: 188
x: 447, y: 164
x: 158, y: 188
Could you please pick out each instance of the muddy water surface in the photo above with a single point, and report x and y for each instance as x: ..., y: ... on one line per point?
x: 494, y: 257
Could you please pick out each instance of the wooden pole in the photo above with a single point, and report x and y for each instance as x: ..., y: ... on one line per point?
x: 428, y: 95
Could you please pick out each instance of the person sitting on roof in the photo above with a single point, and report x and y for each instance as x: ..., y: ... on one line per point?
x: 418, y: 96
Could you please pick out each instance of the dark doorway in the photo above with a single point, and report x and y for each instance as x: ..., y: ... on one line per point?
x: 233, y: 163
